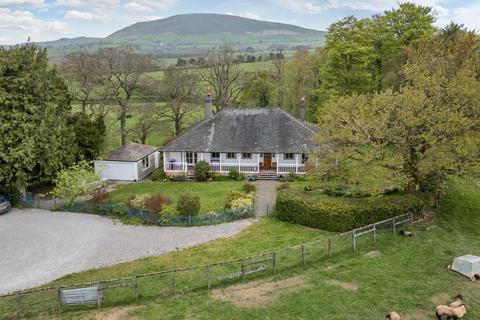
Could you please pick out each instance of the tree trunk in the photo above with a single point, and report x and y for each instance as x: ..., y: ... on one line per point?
x: 178, y: 126
x: 411, y: 169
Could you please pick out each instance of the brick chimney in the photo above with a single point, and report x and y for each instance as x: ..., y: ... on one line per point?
x: 208, y: 106
x: 302, y: 108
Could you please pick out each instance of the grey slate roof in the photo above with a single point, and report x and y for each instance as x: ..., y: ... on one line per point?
x: 131, y: 152
x: 255, y: 130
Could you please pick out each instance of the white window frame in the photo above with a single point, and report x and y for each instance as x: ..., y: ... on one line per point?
x: 215, y: 159
x: 145, y: 163
x: 231, y: 153
x: 193, y: 157
x: 286, y: 156
x: 246, y: 155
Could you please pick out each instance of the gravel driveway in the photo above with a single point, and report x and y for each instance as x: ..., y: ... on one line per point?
x: 38, y: 246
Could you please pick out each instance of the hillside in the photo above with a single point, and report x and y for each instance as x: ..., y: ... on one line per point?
x: 192, y: 34
x: 207, y: 23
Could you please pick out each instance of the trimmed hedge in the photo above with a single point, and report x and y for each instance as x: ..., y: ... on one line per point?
x: 340, y: 214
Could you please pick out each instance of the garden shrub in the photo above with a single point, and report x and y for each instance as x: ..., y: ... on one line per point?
x: 202, y: 169
x: 340, y: 213
x: 188, y: 204
x: 283, y: 186
x: 234, y: 198
x: 121, y: 211
x: 99, y: 196
x: 249, y: 187
x: 233, y: 174
x: 159, y: 175
x: 308, y: 187
x: 156, y: 203
x: 138, y: 201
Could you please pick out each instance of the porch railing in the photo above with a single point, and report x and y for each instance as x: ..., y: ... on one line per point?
x: 287, y: 168
x: 215, y: 167
x: 227, y: 167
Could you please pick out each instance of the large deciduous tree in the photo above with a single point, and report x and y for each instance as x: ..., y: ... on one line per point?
x: 35, y: 140
x: 430, y: 126
x: 82, y: 71
x: 223, y: 76
x: 179, y: 89
x: 123, y: 70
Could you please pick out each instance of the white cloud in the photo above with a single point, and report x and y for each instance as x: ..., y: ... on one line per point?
x: 7, y: 3
x: 25, y: 20
x: 149, y: 5
x: 85, y: 3
x: 315, y: 6
x: 469, y: 16
x: 85, y: 16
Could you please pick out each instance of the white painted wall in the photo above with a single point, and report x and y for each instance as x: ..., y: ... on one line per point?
x: 280, y: 159
x: 116, y: 170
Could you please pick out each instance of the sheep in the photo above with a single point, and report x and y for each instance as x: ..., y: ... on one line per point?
x: 451, y: 313
x: 393, y: 316
x: 458, y: 301
x: 407, y: 233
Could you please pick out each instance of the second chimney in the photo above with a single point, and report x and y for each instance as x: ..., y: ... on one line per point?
x: 302, y: 109
x: 208, y: 106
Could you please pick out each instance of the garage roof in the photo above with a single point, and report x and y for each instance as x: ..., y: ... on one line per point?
x: 131, y: 152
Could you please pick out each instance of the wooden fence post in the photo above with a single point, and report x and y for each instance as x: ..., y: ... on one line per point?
x: 173, y: 282
x: 303, y: 254
x: 374, y: 234
x: 209, y: 277
x: 354, y: 241
x: 242, y: 268
x: 19, y: 306
x: 274, y: 262
x: 330, y: 246
x: 59, y: 297
x: 394, y: 227
x: 135, y: 287
x: 411, y: 220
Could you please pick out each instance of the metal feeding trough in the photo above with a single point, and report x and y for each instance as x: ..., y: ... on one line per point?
x: 468, y: 265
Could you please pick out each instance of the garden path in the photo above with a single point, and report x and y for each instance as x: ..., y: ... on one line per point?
x: 266, y: 196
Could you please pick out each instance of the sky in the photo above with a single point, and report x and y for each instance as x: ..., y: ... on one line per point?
x: 44, y: 20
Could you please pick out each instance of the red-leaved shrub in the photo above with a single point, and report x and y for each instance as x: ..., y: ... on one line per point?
x: 155, y: 203
x: 99, y: 196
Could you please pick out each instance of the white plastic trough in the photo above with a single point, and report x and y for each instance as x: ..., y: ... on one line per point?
x: 467, y: 265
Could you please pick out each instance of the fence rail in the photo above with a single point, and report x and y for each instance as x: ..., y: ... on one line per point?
x: 164, y: 283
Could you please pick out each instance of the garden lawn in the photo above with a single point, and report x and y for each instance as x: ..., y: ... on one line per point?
x: 408, y: 275
x: 212, y: 194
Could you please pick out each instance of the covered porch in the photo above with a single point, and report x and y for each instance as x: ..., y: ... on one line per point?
x: 224, y: 162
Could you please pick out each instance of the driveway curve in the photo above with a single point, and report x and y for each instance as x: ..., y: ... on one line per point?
x: 38, y: 246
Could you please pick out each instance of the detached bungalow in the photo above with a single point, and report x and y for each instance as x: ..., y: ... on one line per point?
x: 251, y: 140
x: 131, y: 162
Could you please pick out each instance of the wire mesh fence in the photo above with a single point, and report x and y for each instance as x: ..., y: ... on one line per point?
x: 118, y: 210
x: 166, y: 283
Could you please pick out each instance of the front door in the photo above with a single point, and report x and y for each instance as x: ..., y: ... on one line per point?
x: 267, y: 161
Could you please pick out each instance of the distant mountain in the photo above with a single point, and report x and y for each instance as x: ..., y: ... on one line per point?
x: 208, y: 23
x: 192, y: 34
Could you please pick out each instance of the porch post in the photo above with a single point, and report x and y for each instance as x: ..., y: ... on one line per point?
x: 238, y: 158
x: 164, y: 161
x: 220, y: 155
x: 277, y: 157
x: 296, y: 162
x: 258, y: 162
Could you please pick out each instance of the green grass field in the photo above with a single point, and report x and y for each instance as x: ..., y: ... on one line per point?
x: 212, y: 194
x: 408, y: 275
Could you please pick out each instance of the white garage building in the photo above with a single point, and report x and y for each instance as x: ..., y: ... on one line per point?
x: 131, y: 162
